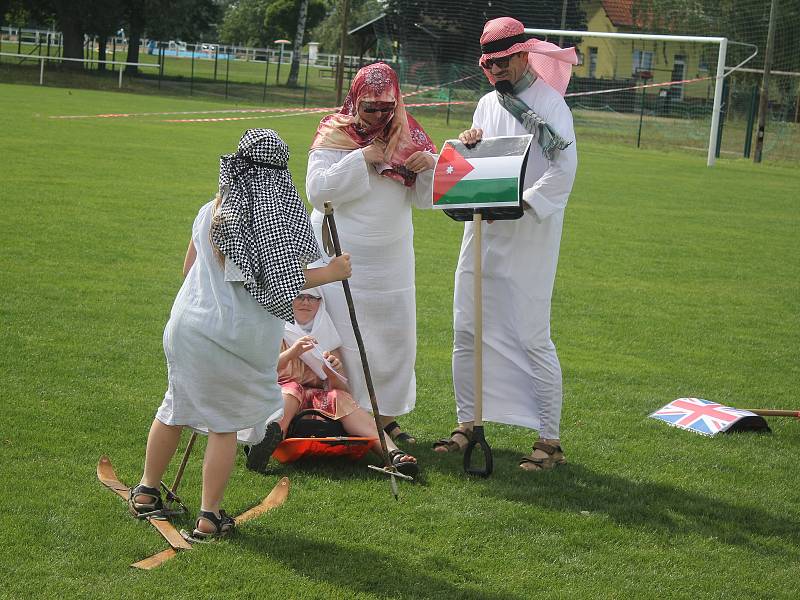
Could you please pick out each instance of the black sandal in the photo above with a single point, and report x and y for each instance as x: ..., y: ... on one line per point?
x: 223, y: 525
x: 402, y: 436
x: 143, y: 510
x: 406, y: 467
x: 258, y: 456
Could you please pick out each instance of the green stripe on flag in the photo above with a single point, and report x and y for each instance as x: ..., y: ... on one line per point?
x: 482, y: 191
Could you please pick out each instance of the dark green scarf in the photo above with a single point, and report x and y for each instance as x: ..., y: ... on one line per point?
x: 548, y: 138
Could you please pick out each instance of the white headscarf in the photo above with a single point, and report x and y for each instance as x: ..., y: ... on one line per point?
x: 321, y: 329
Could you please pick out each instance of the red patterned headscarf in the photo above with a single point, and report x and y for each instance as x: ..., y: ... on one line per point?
x: 506, y: 36
x: 400, y: 132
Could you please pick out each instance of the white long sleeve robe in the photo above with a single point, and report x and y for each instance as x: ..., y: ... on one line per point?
x: 521, y: 371
x: 373, y: 218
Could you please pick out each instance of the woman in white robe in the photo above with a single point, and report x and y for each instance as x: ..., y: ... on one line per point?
x: 373, y: 162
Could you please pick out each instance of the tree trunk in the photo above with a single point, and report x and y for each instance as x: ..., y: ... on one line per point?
x: 101, y: 53
x: 297, y: 49
x: 73, y: 41
x: 136, y: 27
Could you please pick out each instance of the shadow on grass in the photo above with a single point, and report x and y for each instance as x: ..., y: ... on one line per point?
x: 336, y: 469
x: 363, y: 570
x: 642, y: 504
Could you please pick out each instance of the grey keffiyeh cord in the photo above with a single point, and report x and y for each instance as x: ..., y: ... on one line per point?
x: 549, y: 140
x: 262, y: 224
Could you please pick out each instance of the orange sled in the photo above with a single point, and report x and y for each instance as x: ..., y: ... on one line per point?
x: 313, y: 434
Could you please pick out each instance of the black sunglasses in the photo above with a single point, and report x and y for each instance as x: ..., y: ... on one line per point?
x: 378, y: 109
x: 500, y: 62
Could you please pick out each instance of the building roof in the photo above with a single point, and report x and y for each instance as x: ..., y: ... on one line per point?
x: 620, y: 12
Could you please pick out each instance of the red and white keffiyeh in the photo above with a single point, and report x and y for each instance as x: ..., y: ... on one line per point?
x: 400, y: 132
x: 506, y: 36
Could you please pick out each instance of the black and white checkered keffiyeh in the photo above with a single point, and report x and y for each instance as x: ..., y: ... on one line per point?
x: 262, y: 224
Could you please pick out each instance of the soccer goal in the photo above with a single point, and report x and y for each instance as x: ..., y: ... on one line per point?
x: 676, y: 80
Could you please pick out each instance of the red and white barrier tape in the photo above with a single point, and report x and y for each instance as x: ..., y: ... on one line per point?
x: 295, y: 111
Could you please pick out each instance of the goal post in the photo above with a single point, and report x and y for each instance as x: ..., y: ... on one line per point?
x: 722, y: 42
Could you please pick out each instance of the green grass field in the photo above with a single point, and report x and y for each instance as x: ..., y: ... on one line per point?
x: 674, y: 280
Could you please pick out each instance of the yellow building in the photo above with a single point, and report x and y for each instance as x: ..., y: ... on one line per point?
x: 620, y: 59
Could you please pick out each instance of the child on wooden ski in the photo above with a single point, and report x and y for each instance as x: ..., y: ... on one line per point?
x: 245, y: 264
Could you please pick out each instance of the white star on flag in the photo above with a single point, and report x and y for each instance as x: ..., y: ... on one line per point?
x: 450, y: 169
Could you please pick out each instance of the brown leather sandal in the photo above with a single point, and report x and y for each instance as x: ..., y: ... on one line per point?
x: 555, y: 457
x: 450, y: 444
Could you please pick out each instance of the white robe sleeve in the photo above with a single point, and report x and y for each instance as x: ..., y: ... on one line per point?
x: 334, y: 178
x: 550, y: 192
x: 422, y: 192
x: 477, y: 116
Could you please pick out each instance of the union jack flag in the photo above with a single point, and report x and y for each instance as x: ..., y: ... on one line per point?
x: 700, y: 416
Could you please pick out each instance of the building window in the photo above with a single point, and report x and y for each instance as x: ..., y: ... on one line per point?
x: 678, y: 74
x: 642, y: 61
x: 592, y: 62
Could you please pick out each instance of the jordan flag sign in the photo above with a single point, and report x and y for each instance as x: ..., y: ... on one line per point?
x: 489, y: 175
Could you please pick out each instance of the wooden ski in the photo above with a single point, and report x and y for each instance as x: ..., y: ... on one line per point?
x: 107, y: 476
x: 274, y: 499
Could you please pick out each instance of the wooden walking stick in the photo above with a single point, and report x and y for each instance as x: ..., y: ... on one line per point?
x: 478, y: 439
x: 172, y: 493
x: 330, y: 223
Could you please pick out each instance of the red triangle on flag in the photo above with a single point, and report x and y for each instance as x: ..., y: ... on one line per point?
x: 451, y: 168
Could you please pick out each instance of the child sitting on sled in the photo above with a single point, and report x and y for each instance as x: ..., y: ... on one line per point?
x: 310, y: 376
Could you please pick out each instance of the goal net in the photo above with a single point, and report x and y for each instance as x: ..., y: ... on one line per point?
x: 653, y: 82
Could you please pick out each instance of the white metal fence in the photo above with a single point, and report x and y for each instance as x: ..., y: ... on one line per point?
x: 281, y: 53
x: 43, y: 59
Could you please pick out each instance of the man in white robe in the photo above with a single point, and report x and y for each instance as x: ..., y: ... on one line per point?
x: 521, y: 372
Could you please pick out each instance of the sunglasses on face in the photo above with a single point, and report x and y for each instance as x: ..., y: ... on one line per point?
x: 307, y: 298
x: 373, y: 108
x: 500, y: 62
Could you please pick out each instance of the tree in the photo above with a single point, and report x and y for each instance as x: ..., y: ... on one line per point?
x: 298, y: 43
x: 14, y: 13
x: 135, y: 17
x: 167, y: 19
x: 71, y: 17
x: 103, y: 20
x: 243, y: 24
x: 5, y: 9
x: 280, y: 20
x: 180, y: 19
x: 329, y: 32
